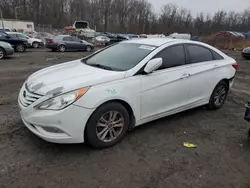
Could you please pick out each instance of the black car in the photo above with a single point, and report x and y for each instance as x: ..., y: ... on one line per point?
x: 247, y: 115
x: 19, y: 45
x: 246, y: 53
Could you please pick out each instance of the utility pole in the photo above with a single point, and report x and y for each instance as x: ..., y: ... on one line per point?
x: 1, y: 14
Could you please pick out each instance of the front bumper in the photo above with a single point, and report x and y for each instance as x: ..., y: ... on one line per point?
x: 9, y: 51
x: 70, y: 122
x: 245, y: 54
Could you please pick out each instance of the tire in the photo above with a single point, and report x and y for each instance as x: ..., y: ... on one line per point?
x: 20, y: 48
x: 88, y: 48
x: 104, y: 140
x: 219, y: 95
x: 35, y: 45
x: 2, y: 53
x: 62, y: 48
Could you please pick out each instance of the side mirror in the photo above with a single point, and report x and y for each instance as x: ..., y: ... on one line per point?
x: 7, y: 36
x: 81, y: 41
x: 153, y: 65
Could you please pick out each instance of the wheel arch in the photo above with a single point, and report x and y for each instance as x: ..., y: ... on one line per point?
x: 128, y: 107
x: 227, y: 81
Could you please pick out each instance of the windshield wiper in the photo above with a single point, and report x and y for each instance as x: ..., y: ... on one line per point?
x: 100, y: 66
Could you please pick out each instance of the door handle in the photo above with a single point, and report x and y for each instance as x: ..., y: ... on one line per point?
x: 185, y: 75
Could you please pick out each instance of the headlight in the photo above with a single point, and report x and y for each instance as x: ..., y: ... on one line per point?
x: 62, y: 101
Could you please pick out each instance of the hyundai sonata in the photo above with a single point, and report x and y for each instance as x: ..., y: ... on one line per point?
x: 100, y: 97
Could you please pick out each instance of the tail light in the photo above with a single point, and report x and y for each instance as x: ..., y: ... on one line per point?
x: 51, y: 41
x: 235, y: 66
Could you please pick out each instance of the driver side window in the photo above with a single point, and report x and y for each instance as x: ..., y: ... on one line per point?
x: 172, y: 56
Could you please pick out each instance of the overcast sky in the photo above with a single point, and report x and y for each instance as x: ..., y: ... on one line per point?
x: 206, y: 6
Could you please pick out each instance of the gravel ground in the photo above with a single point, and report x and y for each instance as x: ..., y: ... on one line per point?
x: 151, y: 156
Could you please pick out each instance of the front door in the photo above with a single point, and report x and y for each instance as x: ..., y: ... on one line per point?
x: 167, y: 89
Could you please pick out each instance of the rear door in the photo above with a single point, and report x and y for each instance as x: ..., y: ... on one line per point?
x: 203, y: 73
x: 166, y: 89
x: 80, y: 45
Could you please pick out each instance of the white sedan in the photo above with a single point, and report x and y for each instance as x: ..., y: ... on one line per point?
x: 100, y: 97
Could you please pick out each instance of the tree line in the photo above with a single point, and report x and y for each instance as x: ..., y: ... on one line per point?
x: 124, y: 16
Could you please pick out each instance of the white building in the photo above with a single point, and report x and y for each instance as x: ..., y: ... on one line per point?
x: 17, y: 24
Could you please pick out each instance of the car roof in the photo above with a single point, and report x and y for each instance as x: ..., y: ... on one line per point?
x: 153, y: 41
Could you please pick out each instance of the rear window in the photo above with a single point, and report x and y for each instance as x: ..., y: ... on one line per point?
x: 198, y: 54
x: 79, y: 25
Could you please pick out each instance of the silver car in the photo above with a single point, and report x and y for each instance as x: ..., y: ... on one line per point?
x: 5, y: 49
x: 64, y: 43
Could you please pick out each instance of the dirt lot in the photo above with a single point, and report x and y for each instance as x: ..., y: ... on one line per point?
x: 151, y: 156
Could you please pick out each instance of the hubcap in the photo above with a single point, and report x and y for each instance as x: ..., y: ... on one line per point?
x: 1, y: 54
x: 88, y: 49
x: 110, y: 126
x: 220, y: 95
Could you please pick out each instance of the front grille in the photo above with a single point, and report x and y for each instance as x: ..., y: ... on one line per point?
x: 27, y: 97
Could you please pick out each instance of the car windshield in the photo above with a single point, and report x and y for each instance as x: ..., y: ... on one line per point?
x: 120, y: 57
x: 21, y: 36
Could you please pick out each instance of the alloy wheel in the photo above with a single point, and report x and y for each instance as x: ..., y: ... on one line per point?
x: 110, y: 126
x: 20, y: 48
x: 35, y: 45
x: 88, y: 49
x: 62, y: 48
x: 220, y: 95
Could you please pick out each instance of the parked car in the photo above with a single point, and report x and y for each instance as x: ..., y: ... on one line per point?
x: 180, y: 36
x: 6, y: 29
x: 101, y: 40
x: 246, y: 53
x: 100, y: 97
x: 5, y: 49
x: 43, y: 36
x: 247, y: 115
x: 64, y: 43
x: 32, y: 42
x: 19, y: 45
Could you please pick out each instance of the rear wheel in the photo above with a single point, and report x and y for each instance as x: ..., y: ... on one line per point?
x: 20, y: 48
x: 2, y: 53
x: 61, y: 48
x: 219, y: 95
x: 108, y: 125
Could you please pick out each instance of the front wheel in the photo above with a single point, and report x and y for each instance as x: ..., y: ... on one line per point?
x: 2, y: 53
x: 20, y: 48
x: 88, y: 49
x: 108, y: 125
x: 219, y: 95
x: 35, y: 45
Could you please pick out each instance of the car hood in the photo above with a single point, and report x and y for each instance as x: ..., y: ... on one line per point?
x: 35, y: 40
x: 69, y: 76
